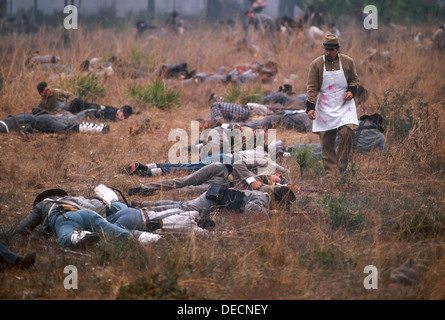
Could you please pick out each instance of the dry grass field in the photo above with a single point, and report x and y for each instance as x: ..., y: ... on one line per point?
x: 313, y: 253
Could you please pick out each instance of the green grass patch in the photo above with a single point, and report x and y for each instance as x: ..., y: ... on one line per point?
x: 341, y: 213
x: 84, y: 86
x: 157, y: 94
x: 242, y: 95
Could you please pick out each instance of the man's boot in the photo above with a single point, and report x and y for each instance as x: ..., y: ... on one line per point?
x: 148, y: 170
x: 134, y: 168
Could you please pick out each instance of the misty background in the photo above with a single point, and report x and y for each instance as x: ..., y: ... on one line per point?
x: 50, y: 11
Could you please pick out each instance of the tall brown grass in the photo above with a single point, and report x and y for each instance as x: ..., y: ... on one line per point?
x: 398, y: 192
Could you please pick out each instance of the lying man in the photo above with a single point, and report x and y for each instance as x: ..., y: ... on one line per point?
x: 101, y: 113
x: 56, y: 101
x: 279, y: 197
x: 76, y: 221
x: 156, y: 169
x: 248, y: 169
x: 46, y: 123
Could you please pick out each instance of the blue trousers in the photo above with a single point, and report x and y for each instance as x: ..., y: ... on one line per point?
x: 6, y: 255
x: 128, y: 218
x: 65, y: 225
x: 194, y: 166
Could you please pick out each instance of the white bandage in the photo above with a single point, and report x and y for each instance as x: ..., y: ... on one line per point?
x: 250, y: 180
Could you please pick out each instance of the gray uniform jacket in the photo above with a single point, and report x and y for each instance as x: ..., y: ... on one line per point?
x: 40, y: 212
x: 367, y: 137
x: 253, y: 201
x: 247, y: 166
x: 252, y: 163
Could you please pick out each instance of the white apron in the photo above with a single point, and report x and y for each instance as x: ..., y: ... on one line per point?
x: 331, y: 110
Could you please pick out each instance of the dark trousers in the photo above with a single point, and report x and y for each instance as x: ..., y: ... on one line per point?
x: 198, y: 181
x: 46, y: 123
x: 78, y: 105
x: 336, y: 160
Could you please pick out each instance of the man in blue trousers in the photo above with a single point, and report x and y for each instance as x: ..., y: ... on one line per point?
x: 77, y: 221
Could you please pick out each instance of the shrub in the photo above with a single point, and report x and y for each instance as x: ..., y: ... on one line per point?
x: 157, y: 94
x: 306, y: 159
x: 341, y: 214
x: 241, y: 95
x: 84, y: 86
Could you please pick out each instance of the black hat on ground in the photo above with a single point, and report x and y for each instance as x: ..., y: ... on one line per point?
x: 49, y: 193
x: 283, y: 195
x: 376, y: 118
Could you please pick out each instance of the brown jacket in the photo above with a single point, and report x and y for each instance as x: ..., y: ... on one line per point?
x: 54, y: 103
x: 315, y: 77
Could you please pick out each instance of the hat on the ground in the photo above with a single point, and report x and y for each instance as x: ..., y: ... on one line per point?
x: 287, y: 88
x: 376, y: 118
x: 48, y: 193
x: 331, y: 42
x: 283, y: 195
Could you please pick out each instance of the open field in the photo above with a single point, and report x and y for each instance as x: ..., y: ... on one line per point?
x: 398, y: 194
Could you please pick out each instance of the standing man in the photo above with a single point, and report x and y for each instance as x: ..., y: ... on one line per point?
x: 331, y: 86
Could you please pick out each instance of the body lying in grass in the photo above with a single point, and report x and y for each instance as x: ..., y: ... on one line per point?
x: 76, y: 221
x: 47, y: 123
x: 248, y: 169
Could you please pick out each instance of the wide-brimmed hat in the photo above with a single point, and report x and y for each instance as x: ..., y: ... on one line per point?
x: 283, y: 195
x: 331, y: 42
x: 287, y: 89
x: 375, y: 118
x: 48, y: 193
